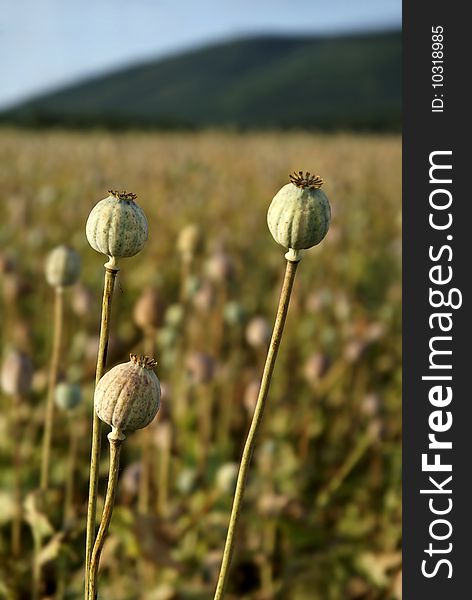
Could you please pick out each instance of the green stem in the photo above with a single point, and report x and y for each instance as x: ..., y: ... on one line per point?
x: 70, y: 476
x: 18, y: 514
x: 163, y: 466
x: 116, y: 439
x: 185, y: 272
x: 110, y: 276
x: 255, y: 425
x: 145, y: 474
x: 36, y: 575
x: 362, y: 445
x: 53, y: 371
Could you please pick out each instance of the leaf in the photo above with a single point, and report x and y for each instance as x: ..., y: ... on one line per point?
x: 51, y: 550
x: 39, y: 523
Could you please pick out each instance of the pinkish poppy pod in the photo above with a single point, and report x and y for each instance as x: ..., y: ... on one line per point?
x: 128, y: 396
x: 200, y: 367
x: 258, y: 332
x: 148, y: 311
x: 17, y: 374
x: 220, y: 267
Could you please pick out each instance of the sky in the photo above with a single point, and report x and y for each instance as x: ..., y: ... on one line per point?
x: 45, y: 44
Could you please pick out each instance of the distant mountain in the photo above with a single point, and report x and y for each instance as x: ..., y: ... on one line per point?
x: 348, y: 81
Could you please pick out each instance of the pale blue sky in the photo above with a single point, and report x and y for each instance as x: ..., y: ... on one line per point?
x: 47, y: 43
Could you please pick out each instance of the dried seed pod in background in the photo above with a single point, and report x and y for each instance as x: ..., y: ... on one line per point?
x: 17, y: 374
x: 62, y: 266
x: 370, y: 405
x: 128, y: 396
x: 162, y: 435
x: 22, y: 335
x: 83, y: 301
x: 15, y: 287
x: 174, y: 315
x: 234, y: 314
x: 315, y: 368
x: 186, y: 481
x: 258, y: 332
x: 40, y: 381
x: 318, y: 300
x: 117, y: 226
x: 250, y: 395
x: 220, y: 267
x: 225, y: 478
x: 200, y: 367
x: 192, y: 285
x: 7, y: 263
x: 129, y: 481
x: 189, y: 241
x: 354, y: 349
x: 148, y: 311
x: 204, y: 298
x: 67, y: 395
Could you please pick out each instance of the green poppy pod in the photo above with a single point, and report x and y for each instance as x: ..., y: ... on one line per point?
x: 62, y: 266
x: 67, y: 395
x: 299, y: 214
x: 117, y: 226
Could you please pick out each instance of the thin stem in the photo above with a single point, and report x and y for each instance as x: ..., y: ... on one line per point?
x: 115, y: 449
x: 205, y: 393
x: 18, y: 514
x: 255, y: 425
x: 70, y: 476
x: 362, y: 445
x: 163, y: 467
x: 145, y: 473
x: 36, y: 575
x: 110, y: 276
x: 185, y: 272
x: 53, y: 371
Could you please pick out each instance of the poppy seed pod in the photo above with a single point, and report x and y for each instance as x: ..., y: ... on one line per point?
x: 205, y: 298
x: 149, y: 310
x: 200, y: 367
x: 315, y: 368
x: 258, y: 332
x: 7, y: 263
x: 220, y: 267
x: 129, y: 481
x: 299, y: 214
x: 83, y: 301
x: 67, y: 395
x: 128, y: 396
x: 117, y: 226
x: 226, y: 477
x: 234, y: 314
x: 62, y: 266
x: 17, y: 374
x: 251, y: 393
x: 174, y: 315
x: 189, y: 241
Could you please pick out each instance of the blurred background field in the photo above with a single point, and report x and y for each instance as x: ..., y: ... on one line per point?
x: 322, y: 516
x: 203, y: 110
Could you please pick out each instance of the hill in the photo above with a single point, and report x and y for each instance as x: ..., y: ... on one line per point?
x: 349, y: 81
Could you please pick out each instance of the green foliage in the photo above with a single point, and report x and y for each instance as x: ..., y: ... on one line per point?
x: 343, y: 82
